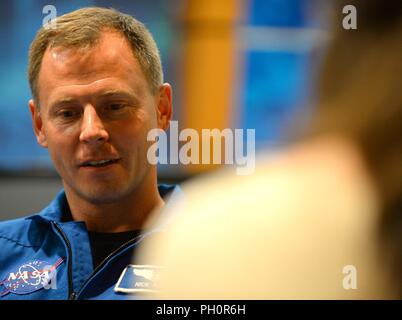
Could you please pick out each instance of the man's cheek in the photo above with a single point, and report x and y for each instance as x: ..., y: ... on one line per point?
x: 60, y: 160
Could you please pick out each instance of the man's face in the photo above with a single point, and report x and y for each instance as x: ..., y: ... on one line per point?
x: 96, y: 109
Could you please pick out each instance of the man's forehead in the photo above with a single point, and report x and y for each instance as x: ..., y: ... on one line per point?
x: 111, y: 48
x: 103, y: 88
x: 110, y: 57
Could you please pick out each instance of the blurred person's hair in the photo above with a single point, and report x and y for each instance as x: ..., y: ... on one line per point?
x: 359, y: 95
x: 81, y: 29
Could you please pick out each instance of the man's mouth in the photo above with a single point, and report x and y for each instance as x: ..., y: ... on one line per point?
x: 99, y: 163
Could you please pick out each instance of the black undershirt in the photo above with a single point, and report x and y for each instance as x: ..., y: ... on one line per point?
x: 103, y: 244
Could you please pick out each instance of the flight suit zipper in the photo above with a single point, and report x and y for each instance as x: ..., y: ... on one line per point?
x: 71, y: 294
x: 74, y: 295
x: 115, y: 252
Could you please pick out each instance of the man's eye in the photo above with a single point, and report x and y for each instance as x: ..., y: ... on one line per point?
x: 67, y: 113
x: 116, y: 106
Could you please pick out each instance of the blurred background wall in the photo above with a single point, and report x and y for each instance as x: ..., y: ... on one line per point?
x: 232, y: 64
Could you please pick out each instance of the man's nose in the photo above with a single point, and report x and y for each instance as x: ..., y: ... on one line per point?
x: 92, y: 127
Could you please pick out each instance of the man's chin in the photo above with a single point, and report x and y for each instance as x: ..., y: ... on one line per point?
x: 100, y: 196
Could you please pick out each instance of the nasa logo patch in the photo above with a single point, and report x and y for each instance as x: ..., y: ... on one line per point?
x: 29, y: 277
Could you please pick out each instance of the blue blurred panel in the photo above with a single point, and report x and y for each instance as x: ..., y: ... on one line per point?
x: 277, y: 13
x: 277, y: 57
x: 275, y: 85
x: 19, y: 22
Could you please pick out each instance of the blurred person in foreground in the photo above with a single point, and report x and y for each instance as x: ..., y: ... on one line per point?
x: 322, y: 219
x: 97, y: 87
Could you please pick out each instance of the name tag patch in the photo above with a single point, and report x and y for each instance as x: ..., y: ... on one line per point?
x: 138, y: 278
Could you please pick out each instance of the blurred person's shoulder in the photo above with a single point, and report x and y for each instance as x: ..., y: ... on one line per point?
x: 311, y: 175
x: 295, y: 224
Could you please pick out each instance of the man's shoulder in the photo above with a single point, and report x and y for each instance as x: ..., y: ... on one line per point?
x: 17, y: 231
x: 13, y: 223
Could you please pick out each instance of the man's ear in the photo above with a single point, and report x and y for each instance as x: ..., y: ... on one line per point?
x: 37, y: 124
x: 165, y: 108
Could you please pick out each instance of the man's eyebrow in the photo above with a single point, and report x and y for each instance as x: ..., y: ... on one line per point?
x: 62, y: 101
x: 120, y: 94
x: 111, y: 93
x: 106, y: 94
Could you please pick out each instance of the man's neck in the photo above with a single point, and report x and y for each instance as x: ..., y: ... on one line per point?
x: 128, y: 213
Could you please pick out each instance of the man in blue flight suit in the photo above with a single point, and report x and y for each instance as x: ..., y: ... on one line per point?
x: 97, y: 88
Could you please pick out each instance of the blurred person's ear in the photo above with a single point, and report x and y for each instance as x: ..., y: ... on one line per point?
x: 165, y: 109
x: 37, y: 124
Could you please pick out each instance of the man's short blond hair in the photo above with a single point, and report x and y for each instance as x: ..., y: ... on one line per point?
x: 82, y: 29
